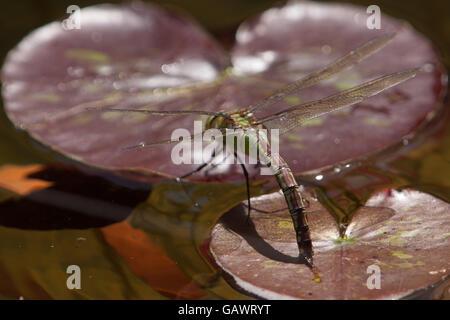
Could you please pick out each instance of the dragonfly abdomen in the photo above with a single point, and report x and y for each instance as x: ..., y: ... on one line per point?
x: 296, y: 205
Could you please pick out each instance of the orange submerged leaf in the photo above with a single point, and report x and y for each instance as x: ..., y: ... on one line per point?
x: 15, y: 179
x: 149, y: 261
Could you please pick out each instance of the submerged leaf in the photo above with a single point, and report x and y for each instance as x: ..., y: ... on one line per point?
x: 149, y: 261
x: 34, y: 266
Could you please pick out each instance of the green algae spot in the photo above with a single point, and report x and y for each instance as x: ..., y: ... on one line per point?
x: 91, y: 87
x: 414, y: 219
x: 317, y: 280
x: 297, y: 139
x: 343, y: 85
x: 408, y: 234
x: 401, y: 255
x: 298, y: 146
x: 294, y: 137
x: 87, y: 55
x: 347, y: 81
x: 188, y: 107
x: 317, y: 275
x: 345, y: 240
x: 269, y: 264
x: 45, y: 97
x: 406, y: 265
x: 136, y: 117
x: 442, y: 236
x: 377, y: 122
x: 285, y: 224
x: 82, y: 119
x: 111, y: 116
x: 396, y: 241
x: 292, y: 99
x: 313, y: 122
x: 112, y: 98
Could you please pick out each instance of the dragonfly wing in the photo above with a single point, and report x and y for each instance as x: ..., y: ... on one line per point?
x: 295, y: 116
x: 161, y: 112
x: 223, y: 131
x: 345, y: 62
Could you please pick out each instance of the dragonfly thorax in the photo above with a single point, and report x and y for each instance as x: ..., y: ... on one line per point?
x: 242, y: 120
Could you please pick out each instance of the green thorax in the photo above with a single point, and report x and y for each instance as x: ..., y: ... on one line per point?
x: 240, y: 119
x: 237, y: 119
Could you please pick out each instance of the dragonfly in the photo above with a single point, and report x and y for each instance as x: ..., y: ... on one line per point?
x: 286, y: 120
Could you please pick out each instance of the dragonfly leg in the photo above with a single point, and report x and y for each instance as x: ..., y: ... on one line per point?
x: 195, y: 170
x: 213, y: 154
x: 247, y: 183
x: 249, y: 207
x: 214, y: 165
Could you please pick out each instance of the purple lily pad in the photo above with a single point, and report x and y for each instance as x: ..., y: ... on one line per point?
x: 403, y: 235
x: 141, y: 55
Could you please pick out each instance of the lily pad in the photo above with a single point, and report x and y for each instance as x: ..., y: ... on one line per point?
x: 403, y: 235
x: 131, y: 56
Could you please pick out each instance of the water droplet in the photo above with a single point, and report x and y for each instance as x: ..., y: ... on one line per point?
x: 337, y: 169
x: 319, y: 177
x: 326, y: 49
x: 141, y: 144
x: 105, y: 70
x: 75, y: 71
x: 429, y: 67
x: 165, y: 68
x: 116, y: 85
x: 52, y: 245
x: 405, y: 142
x: 337, y: 140
x: 348, y: 165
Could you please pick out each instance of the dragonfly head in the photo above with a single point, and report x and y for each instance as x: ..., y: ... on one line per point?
x: 230, y: 119
x: 216, y: 122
